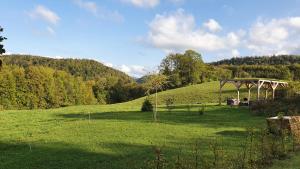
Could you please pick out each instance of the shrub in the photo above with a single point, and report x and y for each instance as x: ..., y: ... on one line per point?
x: 147, y: 106
x: 169, y: 103
x: 201, y: 110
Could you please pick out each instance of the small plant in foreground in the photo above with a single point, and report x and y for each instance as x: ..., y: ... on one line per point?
x: 201, y: 110
x: 147, y: 106
x: 169, y: 103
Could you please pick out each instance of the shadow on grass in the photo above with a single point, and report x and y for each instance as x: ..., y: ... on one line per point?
x: 218, y: 117
x: 65, y: 156
x: 233, y: 133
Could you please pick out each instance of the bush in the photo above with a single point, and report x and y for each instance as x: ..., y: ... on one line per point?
x: 169, y: 103
x: 201, y: 110
x: 147, y: 106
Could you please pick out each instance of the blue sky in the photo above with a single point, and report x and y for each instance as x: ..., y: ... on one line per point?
x: 134, y: 35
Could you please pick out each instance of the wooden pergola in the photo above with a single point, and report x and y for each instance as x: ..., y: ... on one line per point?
x: 250, y: 83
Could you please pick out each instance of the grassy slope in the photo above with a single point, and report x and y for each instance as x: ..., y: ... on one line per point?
x: 119, y: 136
x: 201, y: 93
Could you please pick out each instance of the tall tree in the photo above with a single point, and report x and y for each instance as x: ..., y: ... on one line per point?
x: 183, y: 69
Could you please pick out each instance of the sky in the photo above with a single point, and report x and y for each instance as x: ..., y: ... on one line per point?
x: 135, y: 35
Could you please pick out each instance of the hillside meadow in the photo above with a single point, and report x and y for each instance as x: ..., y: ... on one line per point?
x: 194, y: 94
x: 117, y: 136
x: 121, y: 136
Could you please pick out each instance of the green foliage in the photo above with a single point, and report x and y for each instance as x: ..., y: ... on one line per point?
x: 2, y: 50
x: 170, y: 103
x: 84, y: 68
x: 261, y: 60
x: 42, y: 87
x: 201, y: 110
x: 182, y: 69
x: 260, y: 71
x: 147, y: 106
x: 46, y: 83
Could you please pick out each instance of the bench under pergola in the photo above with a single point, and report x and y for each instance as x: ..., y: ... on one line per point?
x: 250, y: 83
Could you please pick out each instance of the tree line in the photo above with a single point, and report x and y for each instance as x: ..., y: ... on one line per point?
x: 260, y: 60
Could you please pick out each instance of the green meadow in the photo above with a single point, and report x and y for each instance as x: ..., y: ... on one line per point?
x: 120, y: 136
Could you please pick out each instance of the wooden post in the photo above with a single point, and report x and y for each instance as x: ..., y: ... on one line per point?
x: 274, y: 85
x: 238, y: 85
x: 249, y: 87
x: 258, y: 88
x: 222, y: 83
x: 266, y: 94
x: 259, y: 85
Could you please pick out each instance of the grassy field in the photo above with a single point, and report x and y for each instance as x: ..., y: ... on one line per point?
x: 201, y: 93
x: 120, y: 136
x: 115, y: 136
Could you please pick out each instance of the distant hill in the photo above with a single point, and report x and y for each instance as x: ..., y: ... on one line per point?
x: 87, y: 69
x: 260, y: 60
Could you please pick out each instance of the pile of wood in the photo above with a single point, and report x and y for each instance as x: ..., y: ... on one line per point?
x: 295, y: 127
x: 291, y: 124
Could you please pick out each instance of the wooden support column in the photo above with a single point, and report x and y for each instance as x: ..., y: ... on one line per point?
x: 222, y: 83
x: 259, y: 85
x: 274, y: 85
x: 249, y: 87
x: 238, y: 85
x: 266, y: 86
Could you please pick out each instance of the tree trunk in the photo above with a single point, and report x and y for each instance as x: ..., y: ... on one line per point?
x: 155, y: 112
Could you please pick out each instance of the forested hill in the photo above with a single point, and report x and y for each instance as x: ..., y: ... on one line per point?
x: 87, y: 69
x: 261, y: 60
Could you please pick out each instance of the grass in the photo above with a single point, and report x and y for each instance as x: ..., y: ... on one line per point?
x: 112, y: 136
x: 293, y: 163
x: 120, y: 136
x: 201, y: 93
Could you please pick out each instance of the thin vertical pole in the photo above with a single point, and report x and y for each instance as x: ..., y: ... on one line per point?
x: 249, y: 95
x: 220, y: 92
x: 258, y: 89
x: 155, y: 113
x: 238, y: 95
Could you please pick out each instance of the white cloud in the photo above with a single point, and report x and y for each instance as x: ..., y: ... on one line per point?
x: 235, y: 53
x: 50, y: 30
x: 87, y: 5
x: 108, y: 64
x: 178, y: 31
x: 43, y: 13
x: 134, y: 70
x: 99, y: 12
x: 177, y: 1
x: 212, y: 25
x: 143, y: 3
x: 295, y: 22
x: 275, y: 36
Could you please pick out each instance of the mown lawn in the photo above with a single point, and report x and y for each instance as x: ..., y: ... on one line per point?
x: 115, y: 136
